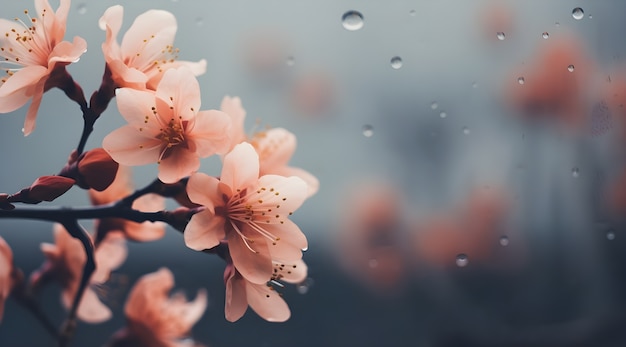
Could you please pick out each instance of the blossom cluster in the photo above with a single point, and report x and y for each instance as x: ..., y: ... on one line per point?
x: 243, y: 215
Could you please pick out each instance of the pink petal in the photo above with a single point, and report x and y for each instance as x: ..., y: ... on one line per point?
x: 236, y: 301
x: 180, y: 89
x: 110, y: 254
x: 204, y: 231
x: 267, y: 303
x: 241, y: 167
x: 232, y: 106
x: 291, y: 240
x: 90, y: 309
x: 203, y: 189
x: 111, y: 21
x: 126, y: 76
x: 291, y: 272
x: 136, y: 107
x: 65, y: 52
x: 313, y: 184
x: 146, y: 231
x: 6, y: 268
x: 275, y: 147
x: 25, y: 78
x: 148, y: 295
x: 194, y: 310
x: 150, y: 33
x: 255, y: 266
x: 179, y: 163
x: 280, y: 195
x: 128, y: 146
x: 31, y: 114
x: 121, y: 186
x: 154, y: 75
x: 210, y: 133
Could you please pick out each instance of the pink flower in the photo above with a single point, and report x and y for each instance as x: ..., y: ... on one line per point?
x: 263, y: 298
x: 30, y: 52
x: 167, y: 127
x: 274, y: 146
x: 250, y: 212
x: 8, y: 273
x: 65, y: 260
x: 121, y: 187
x: 146, y: 51
x: 154, y: 318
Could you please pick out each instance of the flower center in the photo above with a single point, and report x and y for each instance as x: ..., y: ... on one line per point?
x: 172, y: 135
x: 148, y: 58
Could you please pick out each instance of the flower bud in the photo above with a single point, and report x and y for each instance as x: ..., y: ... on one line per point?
x: 4, y: 203
x: 96, y: 170
x: 47, y: 188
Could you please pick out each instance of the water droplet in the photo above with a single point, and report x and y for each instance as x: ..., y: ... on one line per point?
x: 466, y: 130
x: 443, y: 114
x: 500, y: 35
x: 545, y: 35
x: 474, y: 85
x: 396, y: 62
x: 291, y: 61
x: 412, y: 13
x: 590, y: 17
x: 81, y: 8
x: 368, y: 130
x: 610, y: 235
x: 199, y: 21
x: 352, y: 20
x: 575, y: 172
x: 372, y: 263
x: 557, y: 24
x: 570, y: 68
x: 578, y: 13
x: 521, y: 80
x: 461, y: 260
x: 434, y: 105
x: 504, y: 241
x: 304, y: 286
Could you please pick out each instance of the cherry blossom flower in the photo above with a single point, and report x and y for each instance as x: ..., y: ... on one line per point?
x: 274, y: 146
x: 146, y: 51
x: 31, y: 52
x: 65, y: 261
x: 7, y: 273
x: 263, y: 298
x: 167, y: 127
x: 154, y: 318
x: 121, y: 187
x: 250, y: 212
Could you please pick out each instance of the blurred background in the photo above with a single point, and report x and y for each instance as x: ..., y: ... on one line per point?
x: 470, y: 153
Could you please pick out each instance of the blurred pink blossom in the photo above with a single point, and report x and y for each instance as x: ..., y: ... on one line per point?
x: 9, y: 275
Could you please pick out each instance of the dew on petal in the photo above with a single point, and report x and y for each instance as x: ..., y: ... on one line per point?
x: 578, y: 13
x: 396, y: 62
x: 461, y: 260
x: 500, y: 35
x: 352, y: 20
x: 368, y: 130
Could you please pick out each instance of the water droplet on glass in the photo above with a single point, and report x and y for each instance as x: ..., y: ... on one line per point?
x: 590, y: 17
x: 434, y: 105
x: 521, y: 80
x: 466, y: 130
x: 474, y: 85
x: 372, y: 263
x: 504, y: 241
x: 199, y: 21
x: 81, y: 8
x: 396, y: 62
x: 570, y: 68
x: 291, y: 61
x: 304, y: 286
x: 500, y: 35
x: 557, y: 24
x: 575, y: 172
x: 610, y: 235
x: 578, y: 13
x: 545, y: 35
x: 461, y: 260
x: 352, y: 20
x: 368, y: 130
x: 443, y: 114
x: 412, y: 13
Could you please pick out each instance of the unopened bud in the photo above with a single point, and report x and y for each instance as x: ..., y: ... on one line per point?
x: 4, y: 203
x: 47, y: 188
x: 96, y: 170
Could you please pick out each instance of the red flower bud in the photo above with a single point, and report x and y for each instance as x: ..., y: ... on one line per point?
x: 48, y: 188
x: 96, y: 170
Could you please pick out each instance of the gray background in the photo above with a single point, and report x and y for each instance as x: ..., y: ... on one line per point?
x: 569, y: 290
